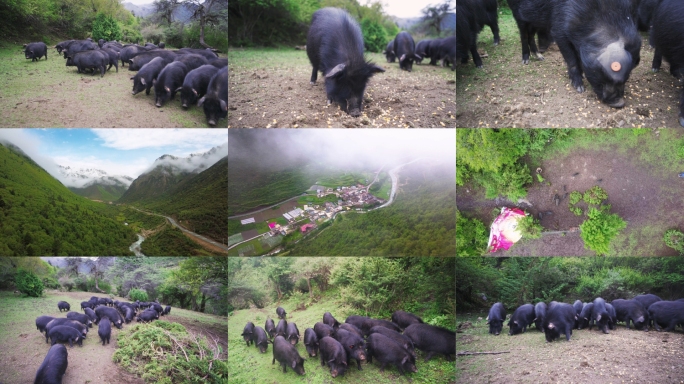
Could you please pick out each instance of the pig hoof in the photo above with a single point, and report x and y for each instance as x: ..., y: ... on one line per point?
x: 580, y: 88
x: 681, y: 121
x: 655, y: 70
x: 526, y: 61
x: 312, y: 82
x: 540, y: 56
x: 480, y: 66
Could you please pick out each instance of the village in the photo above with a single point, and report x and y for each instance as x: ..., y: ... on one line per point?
x: 308, y: 217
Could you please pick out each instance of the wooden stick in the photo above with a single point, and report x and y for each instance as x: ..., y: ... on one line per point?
x: 467, y: 353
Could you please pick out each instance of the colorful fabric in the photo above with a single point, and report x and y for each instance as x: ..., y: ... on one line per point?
x: 504, y: 231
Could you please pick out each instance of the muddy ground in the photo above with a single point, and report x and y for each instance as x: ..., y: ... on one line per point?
x: 24, y: 348
x: 48, y: 94
x: 622, y: 356
x: 270, y: 88
x: 645, y: 196
x: 507, y: 93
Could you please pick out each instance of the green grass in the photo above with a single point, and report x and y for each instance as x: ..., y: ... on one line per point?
x: 256, y: 243
x: 248, y: 365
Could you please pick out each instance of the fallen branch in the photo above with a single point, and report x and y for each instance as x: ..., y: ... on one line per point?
x: 468, y: 353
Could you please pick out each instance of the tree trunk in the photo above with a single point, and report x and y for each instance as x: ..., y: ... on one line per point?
x: 308, y: 282
x: 204, y: 302
x: 97, y: 284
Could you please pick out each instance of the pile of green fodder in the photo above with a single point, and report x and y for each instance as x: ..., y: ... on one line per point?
x: 164, y: 352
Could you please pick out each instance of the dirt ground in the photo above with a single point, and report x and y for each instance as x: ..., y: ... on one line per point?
x: 623, y: 356
x: 271, y: 89
x: 91, y: 363
x: 507, y: 93
x: 638, y: 193
x: 48, y: 94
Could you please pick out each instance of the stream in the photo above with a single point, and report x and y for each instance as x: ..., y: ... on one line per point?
x: 135, y: 247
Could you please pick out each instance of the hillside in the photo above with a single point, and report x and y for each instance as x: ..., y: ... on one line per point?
x: 40, y: 216
x: 182, y: 13
x: 102, y: 192
x: 198, y: 201
x: 151, y: 185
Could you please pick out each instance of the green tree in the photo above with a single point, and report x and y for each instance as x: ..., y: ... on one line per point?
x: 27, y: 282
x: 599, y: 229
x: 471, y: 236
x: 105, y: 27
x: 374, y: 36
x: 138, y: 294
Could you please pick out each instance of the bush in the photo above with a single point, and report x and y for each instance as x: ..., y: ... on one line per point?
x: 471, y: 236
x: 67, y: 283
x: 599, y: 229
x: 137, y: 294
x: 153, y: 33
x: 27, y: 282
x: 595, y: 195
x: 374, y: 35
x: 51, y: 283
x: 163, y: 352
x: 575, y: 197
x: 529, y: 227
x: 105, y: 27
x: 131, y: 34
x: 674, y: 239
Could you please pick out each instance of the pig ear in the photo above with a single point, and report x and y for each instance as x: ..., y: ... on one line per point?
x: 294, y: 364
x: 402, y: 57
x: 178, y: 89
x: 224, y: 107
x: 201, y: 101
x: 335, y: 71
x: 167, y: 89
x: 418, y: 57
x: 194, y: 91
x: 598, y: 318
x: 551, y: 326
x: 142, y: 80
x: 403, y: 361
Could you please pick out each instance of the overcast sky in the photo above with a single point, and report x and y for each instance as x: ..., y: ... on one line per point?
x: 126, y: 152
x: 408, y: 8
x: 138, y: 2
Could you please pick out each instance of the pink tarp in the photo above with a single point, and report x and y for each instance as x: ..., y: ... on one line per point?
x: 271, y: 225
x: 504, y: 231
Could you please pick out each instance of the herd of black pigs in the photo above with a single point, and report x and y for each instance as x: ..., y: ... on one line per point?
x: 359, y: 338
x: 198, y: 74
x: 74, y: 328
x: 558, y: 319
x: 599, y: 39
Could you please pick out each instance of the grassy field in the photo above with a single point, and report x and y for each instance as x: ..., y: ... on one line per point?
x: 622, y: 356
x: 24, y: 348
x: 47, y: 93
x: 247, y: 365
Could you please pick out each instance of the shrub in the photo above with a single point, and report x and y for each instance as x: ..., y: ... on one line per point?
x: 599, y: 229
x: 577, y: 211
x: 66, y: 283
x: 163, y: 352
x: 137, y: 294
x: 153, y: 33
x: 529, y: 227
x: 105, y: 27
x: 575, y: 197
x: 674, y: 239
x: 51, y: 283
x: 374, y: 35
x: 27, y: 282
x: 595, y: 195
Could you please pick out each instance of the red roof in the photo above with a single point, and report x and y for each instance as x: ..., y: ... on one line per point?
x: 306, y: 226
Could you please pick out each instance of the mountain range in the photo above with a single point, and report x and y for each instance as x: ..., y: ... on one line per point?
x: 95, y: 184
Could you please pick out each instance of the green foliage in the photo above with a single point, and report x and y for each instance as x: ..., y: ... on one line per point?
x: 136, y: 294
x: 471, y: 236
x: 163, y: 352
x: 674, y: 239
x: 540, y: 178
x: 131, y: 34
x: 510, y: 181
x: 42, y: 217
x: 28, y: 283
x: 599, y: 229
x: 577, y: 211
x: 529, y: 227
x: 153, y: 33
x: 51, y: 283
x: 575, y: 197
x: 595, y: 195
x: 374, y: 36
x: 171, y: 241
x: 105, y: 27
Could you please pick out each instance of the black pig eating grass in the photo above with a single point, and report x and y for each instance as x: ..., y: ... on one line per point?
x: 335, y: 47
x: 54, y: 366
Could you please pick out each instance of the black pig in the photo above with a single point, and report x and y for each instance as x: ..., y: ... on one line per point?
x: 53, y: 367
x: 323, y: 330
x: 270, y: 328
x: 42, y: 321
x: 631, y: 311
x: 600, y: 315
x: 353, y: 346
x: 192, y: 60
x: 287, y: 355
x: 104, y: 330
x: 389, y: 52
x: 467, y: 29
x: 248, y: 333
x: 432, y: 339
x: 351, y: 328
x: 666, y: 314
x: 521, y: 318
x: 559, y: 320
x: 333, y: 355
x: 585, y: 316
x: 404, y: 48
x: 330, y: 320
x: 647, y: 299
x: 533, y: 17
x: 144, y: 57
x: 281, y: 313
x: 386, y: 351
x: 195, y: 84
x: 292, y: 334
x: 169, y: 81
x: 539, y: 315
x: 311, y: 342
x: 35, y: 51
x: 335, y: 47
x: 496, y: 318
x: 144, y: 79
x: 281, y: 329
x: 404, y: 319
x: 62, y: 333
x: 260, y: 339
x: 400, y: 339
x: 82, y: 329
x: 95, y: 60
x: 216, y: 100
x: 81, y: 318
x: 63, y: 305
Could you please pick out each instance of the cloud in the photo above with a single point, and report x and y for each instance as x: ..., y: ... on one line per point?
x: 30, y: 144
x: 189, y: 139
x: 196, y: 162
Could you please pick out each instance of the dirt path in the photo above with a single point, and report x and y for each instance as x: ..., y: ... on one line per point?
x: 272, y: 90
x: 647, y: 200
x: 507, y: 93
x: 623, y: 356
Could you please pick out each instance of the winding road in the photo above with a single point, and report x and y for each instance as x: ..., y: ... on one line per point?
x: 192, y: 234
x: 395, y: 182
